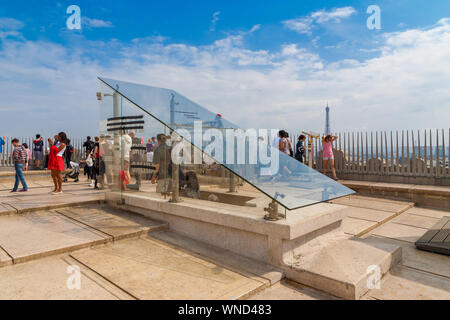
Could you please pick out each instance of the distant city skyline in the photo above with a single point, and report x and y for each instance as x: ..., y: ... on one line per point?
x: 270, y: 65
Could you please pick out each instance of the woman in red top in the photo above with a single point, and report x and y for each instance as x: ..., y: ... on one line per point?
x: 56, y: 161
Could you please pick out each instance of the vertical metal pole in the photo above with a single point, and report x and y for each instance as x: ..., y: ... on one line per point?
x: 408, y: 162
x: 387, y: 154
x: 438, y: 165
x: 117, y: 151
x: 175, y: 184
x: 419, y: 154
x: 444, y: 167
x: 431, y: 155
x: 425, y: 155
x: 232, y: 183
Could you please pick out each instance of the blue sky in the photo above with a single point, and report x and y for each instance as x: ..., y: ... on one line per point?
x: 260, y: 63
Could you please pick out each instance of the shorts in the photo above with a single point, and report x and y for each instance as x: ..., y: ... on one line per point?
x: 37, y: 155
x: 328, y: 158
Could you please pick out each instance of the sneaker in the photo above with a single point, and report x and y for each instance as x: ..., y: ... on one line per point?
x: 23, y: 190
x: 12, y: 191
x: 56, y: 193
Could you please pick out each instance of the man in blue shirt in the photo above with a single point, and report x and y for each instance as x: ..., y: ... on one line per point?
x: 2, y: 143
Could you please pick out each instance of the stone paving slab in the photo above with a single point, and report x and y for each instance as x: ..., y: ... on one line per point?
x: 399, y: 231
x: 404, y: 283
x: 5, y: 259
x: 369, y: 214
x: 149, y: 270
x: 415, y: 220
x: 37, y: 234
x: 116, y: 223
x: 357, y: 227
x: 287, y: 290
x: 6, y: 209
x: 372, y: 203
x: 230, y: 260
x: 46, y: 279
x: 422, y: 260
x: 437, y: 214
x: 47, y: 202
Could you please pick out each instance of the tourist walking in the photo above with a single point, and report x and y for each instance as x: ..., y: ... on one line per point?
x: 300, y: 148
x: 328, y: 156
x: 56, y: 161
x: 20, y: 158
x: 38, y: 151
x: 27, y: 163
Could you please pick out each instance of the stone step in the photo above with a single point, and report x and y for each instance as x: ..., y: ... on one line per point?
x: 226, y: 258
x: 423, y: 195
x: 342, y: 266
x: 152, y: 270
x: 38, y: 234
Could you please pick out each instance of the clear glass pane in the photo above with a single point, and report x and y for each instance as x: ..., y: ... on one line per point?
x: 249, y: 155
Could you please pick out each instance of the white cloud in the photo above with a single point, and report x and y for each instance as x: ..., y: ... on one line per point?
x: 96, y: 23
x: 335, y: 15
x: 214, y: 21
x: 304, y: 25
x: 11, y: 24
x: 52, y: 87
x: 299, y: 25
x: 255, y: 28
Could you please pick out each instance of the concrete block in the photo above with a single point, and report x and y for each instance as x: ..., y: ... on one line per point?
x: 341, y: 266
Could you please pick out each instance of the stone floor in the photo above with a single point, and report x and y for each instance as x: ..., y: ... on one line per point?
x: 44, y: 239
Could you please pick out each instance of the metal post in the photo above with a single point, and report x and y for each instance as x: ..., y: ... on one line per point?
x: 232, y: 183
x: 175, y: 184
x: 272, y: 211
x: 117, y: 151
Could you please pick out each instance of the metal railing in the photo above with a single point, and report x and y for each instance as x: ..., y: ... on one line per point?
x: 406, y: 153
x: 6, y: 156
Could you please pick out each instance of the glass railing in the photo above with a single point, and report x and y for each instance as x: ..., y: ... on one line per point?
x: 209, y: 149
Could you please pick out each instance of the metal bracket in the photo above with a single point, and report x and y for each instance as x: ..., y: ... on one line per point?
x: 272, y: 211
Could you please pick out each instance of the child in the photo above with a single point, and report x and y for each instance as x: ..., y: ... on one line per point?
x: 89, y: 165
x: 300, y: 148
x: 125, y: 176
